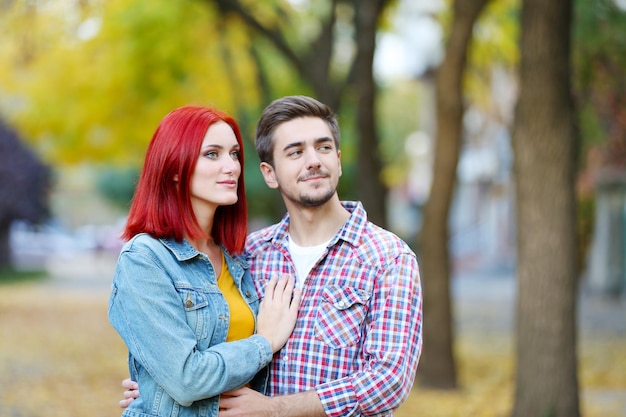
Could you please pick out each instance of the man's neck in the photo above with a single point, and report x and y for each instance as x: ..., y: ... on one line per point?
x: 309, y: 226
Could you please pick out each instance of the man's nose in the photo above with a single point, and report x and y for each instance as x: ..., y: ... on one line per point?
x: 312, y: 160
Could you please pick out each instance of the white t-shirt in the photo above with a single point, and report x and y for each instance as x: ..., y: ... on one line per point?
x: 305, y: 257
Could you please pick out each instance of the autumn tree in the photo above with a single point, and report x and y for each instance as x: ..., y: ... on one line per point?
x: 599, y: 60
x: 437, y: 366
x: 24, y: 186
x: 545, y: 145
x: 88, y: 82
x: 124, y: 64
x: 599, y: 64
x: 313, y: 47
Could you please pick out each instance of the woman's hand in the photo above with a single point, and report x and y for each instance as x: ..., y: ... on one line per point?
x: 278, y: 310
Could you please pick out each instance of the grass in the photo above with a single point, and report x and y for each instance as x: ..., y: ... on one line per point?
x: 59, y: 357
x: 11, y: 276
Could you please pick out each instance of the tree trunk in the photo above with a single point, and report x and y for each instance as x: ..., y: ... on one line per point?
x: 372, y: 192
x: 545, y: 144
x: 437, y: 367
x: 5, y: 247
x: 314, y: 66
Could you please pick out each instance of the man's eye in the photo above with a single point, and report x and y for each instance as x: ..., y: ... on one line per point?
x: 294, y: 153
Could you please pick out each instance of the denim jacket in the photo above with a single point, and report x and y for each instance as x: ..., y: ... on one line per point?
x: 166, y: 306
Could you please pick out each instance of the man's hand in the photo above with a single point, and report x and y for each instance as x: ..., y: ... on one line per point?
x: 246, y: 402
x: 132, y: 392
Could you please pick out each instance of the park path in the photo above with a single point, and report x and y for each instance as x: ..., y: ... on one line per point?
x: 484, y: 300
x: 89, y: 272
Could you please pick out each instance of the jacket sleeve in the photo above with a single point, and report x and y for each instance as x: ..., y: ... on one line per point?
x: 146, y: 311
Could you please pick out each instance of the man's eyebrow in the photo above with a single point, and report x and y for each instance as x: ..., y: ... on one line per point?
x: 317, y: 141
x: 323, y: 140
x: 293, y: 145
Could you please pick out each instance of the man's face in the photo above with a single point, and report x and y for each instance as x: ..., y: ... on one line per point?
x: 307, y: 163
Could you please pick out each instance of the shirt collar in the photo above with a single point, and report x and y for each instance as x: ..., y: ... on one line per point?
x: 350, y: 232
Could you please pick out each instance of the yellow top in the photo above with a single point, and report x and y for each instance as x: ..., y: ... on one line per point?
x: 241, y: 318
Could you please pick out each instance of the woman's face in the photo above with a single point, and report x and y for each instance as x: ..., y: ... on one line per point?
x: 216, y: 174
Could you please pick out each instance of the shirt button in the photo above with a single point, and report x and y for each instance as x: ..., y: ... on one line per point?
x: 285, y: 358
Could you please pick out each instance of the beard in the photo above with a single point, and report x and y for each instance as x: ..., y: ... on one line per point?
x: 310, y: 200
x: 315, y: 201
x: 315, y: 198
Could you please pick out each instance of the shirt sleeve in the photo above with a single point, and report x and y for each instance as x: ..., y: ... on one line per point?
x: 392, y: 347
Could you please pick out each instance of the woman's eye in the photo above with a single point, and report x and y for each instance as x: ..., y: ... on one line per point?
x: 211, y: 155
x: 235, y: 155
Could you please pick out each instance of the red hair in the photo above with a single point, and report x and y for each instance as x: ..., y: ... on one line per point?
x: 161, y: 207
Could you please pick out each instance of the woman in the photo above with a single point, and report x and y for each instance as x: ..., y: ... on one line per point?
x: 182, y: 298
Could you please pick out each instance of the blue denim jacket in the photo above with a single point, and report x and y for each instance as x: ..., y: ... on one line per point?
x: 166, y: 306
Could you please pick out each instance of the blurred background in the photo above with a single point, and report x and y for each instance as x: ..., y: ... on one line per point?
x: 84, y: 83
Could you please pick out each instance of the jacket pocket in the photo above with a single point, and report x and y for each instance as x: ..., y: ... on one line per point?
x: 340, y: 316
x: 196, y: 305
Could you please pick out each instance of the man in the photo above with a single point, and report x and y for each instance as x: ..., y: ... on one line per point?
x: 357, y: 341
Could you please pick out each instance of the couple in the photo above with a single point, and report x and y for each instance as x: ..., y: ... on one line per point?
x: 184, y: 297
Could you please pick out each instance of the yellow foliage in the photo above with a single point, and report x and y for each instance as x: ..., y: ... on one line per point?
x: 94, y: 85
x: 486, y: 373
x: 494, y: 45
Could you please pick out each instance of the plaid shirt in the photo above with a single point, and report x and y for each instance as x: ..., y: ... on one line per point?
x: 358, y: 338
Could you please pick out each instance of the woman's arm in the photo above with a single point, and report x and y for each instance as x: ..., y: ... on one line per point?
x: 146, y: 310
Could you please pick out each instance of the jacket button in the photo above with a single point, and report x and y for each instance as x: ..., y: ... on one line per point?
x: 188, y: 303
x: 247, y: 293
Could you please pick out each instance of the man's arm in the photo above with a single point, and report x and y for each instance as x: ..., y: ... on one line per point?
x: 390, y: 351
x: 246, y: 402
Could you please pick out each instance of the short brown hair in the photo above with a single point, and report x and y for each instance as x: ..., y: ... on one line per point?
x: 285, y: 109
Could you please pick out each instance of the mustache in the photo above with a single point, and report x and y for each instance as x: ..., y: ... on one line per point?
x: 314, y: 173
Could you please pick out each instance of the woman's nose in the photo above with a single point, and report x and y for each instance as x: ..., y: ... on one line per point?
x: 230, y: 165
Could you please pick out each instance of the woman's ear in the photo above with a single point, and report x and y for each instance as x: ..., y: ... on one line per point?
x: 269, y: 175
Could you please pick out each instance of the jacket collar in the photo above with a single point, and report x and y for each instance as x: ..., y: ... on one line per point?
x: 184, y: 251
